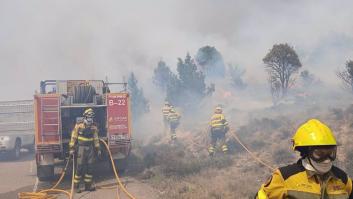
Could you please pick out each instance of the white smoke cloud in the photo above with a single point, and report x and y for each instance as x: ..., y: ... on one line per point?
x: 93, y: 39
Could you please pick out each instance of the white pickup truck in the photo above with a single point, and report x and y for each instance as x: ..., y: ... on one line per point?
x: 16, y: 127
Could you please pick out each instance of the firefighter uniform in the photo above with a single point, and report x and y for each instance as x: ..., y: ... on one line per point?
x: 85, y: 139
x: 174, y: 120
x: 295, y: 182
x: 313, y: 176
x: 218, y: 129
x: 165, y: 111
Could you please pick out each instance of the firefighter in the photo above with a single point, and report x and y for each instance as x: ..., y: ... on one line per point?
x: 314, y: 175
x: 174, y: 120
x: 165, y: 112
x: 85, y: 141
x: 218, y: 128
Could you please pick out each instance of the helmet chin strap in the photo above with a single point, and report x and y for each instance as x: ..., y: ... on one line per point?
x: 311, y: 163
x: 307, y: 165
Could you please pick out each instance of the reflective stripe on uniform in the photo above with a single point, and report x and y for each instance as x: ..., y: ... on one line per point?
x: 218, y: 120
x: 165, y: 111
x: 77, y: 179
x: 87, y: 180
x: 83, y: 139
x: 88, y: 176
x: 217, y: 125
x: 224, y: 148
x: 173, y: 117
x: 211, y: 149
x: 173, y: 136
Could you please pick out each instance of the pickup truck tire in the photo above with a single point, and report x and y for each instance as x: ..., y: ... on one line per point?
x: 16, y: 153
x: 45, y: 172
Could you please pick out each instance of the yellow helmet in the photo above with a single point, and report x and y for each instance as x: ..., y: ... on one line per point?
x: 313, y: 133
x: 88, y: 113
x: 218, y: 109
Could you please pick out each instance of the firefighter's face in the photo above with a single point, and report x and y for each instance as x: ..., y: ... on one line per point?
x: 88, y: 121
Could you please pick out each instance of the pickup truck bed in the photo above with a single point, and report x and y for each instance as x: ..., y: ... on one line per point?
x: 16, y: 126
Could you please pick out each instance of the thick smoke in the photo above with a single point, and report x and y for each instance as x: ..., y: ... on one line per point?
x: 91, y: 40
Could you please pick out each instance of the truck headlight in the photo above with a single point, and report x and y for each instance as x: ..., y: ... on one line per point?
x: 4, y: 138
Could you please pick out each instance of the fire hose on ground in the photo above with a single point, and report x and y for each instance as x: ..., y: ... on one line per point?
x: 53, y: 191
x: 234, y: 135
x: 119, y: 184
x: 236, y: 138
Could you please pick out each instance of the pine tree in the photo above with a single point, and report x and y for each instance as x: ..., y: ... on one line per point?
x: 211, y: 61
x: 191, y: 79
x: 162, y: 75
x: 173, y: 90
x: 139, y: 104
x: 187, y: 87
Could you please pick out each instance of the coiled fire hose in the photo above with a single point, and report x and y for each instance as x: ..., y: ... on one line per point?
x: 52, y: 192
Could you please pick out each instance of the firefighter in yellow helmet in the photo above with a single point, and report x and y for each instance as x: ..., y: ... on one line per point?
x: 85, y: 141
x: 174, y: 121
x: 218, y: 129
x: 314, y: 175
x: 165, y: 111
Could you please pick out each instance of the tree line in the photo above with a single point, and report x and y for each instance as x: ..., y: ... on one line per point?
x: 187, y: 86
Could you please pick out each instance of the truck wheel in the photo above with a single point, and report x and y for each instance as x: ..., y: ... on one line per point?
x: 45, y: 172
x: 16, y: 153
x: 121, y: 165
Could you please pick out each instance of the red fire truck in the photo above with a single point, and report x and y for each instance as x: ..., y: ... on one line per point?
x: 59, y: 106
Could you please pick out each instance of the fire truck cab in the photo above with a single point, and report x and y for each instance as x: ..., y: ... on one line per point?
x: 59, y: 106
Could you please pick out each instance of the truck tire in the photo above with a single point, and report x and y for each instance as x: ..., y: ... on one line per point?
x: 121, y: 165
x: 16, y: 153
x: 45, y: 172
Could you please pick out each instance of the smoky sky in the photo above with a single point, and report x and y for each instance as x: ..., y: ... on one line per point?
x: 93, y: 39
